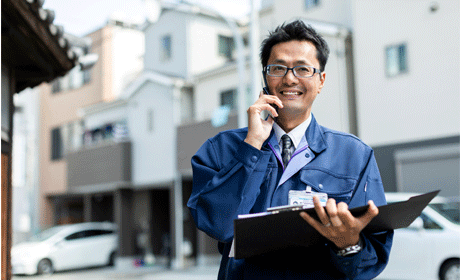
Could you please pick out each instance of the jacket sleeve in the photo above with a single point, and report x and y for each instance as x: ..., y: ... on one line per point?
x: 374, y: 256
x: 225, y: 184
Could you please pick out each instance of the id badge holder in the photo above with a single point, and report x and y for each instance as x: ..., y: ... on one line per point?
x: 306, y: 197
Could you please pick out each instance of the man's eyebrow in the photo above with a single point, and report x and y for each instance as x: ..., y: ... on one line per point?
x: 298, y: 62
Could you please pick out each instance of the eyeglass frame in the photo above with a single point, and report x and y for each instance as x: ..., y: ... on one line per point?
x: 315, y: 70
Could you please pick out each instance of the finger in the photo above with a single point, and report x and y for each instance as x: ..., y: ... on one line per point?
x: 256, y: 109
x: 322, y: 215
x: 344, y: 214
x: 372, y: 212
x: 270, y: 109
x: 314, y: 223
x: 331, y: 209
x: 271, y: 99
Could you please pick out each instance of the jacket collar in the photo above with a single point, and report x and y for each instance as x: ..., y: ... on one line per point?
x: 314, y: 136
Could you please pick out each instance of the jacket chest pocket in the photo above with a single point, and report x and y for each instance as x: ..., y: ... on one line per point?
x: 336, y: 186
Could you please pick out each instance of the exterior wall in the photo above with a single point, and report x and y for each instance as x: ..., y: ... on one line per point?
x: 169, y: 23
x: 194, y: 43
x: 330, y: 11
x: 203, y: 43
x: 25, y: 164
x: 435, y: 160
x: 153, y: 152
x: 209, y: 87
x: 419, y: 104
x: 128, y: 47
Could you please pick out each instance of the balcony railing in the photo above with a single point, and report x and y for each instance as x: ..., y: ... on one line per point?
x: 190, y: 137
x: 107, y: 166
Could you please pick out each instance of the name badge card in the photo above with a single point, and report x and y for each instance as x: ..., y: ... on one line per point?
x: 306, y: 197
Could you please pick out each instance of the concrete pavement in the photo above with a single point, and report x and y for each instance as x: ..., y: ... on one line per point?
x: 134, y: 273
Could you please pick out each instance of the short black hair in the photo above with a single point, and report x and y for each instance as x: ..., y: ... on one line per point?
x: 296, y: 30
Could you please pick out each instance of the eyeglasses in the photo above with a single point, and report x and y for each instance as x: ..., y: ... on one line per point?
x: 301, y: 71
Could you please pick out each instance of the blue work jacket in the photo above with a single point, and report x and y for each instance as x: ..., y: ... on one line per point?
x: 231, y: 177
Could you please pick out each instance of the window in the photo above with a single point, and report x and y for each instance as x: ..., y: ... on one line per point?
x: 75, y: 78
x: 228, y: 98
x: 165, y: 48
x: 87, y: 76
x: 428, y: 223
x: 56, y: 144
x: 311, y: 3
x: 226, y: 46
x: 98, y: 232
x: 77, y: 235
x: 396, y: 60
x: 56, y: 86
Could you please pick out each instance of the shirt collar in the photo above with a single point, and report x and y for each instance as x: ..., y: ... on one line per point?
x: 296, y: 134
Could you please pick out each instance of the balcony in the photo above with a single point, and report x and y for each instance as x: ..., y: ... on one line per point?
x: 101, y: 167
x: 190, y: 137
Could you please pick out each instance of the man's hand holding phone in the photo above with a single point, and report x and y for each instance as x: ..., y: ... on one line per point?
x: 258, y: 128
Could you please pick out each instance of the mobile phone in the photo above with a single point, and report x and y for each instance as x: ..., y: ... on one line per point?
x: 266, y: 91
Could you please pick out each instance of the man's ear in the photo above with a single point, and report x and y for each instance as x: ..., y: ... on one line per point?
x: 322, y: 78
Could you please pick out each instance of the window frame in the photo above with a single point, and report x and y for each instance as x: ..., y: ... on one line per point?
x: 229, y: 43
x: 224, y: 94
x: 165, y: 47
x: 309, y: 4
x: 396, y: 62
x: 57, y: 145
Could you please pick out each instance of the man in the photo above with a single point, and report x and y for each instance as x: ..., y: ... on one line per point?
x: 248, y: 170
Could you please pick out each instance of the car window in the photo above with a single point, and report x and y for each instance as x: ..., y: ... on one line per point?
x: 76, y: 235
x: 428, y: 223
x: 88, y: 233
x: 98, y: 232
x: 450, y: 211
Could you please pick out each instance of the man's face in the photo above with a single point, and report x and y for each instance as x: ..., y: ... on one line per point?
x: 296, y: 94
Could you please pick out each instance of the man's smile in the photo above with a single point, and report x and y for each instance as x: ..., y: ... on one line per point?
x: 291, y: 92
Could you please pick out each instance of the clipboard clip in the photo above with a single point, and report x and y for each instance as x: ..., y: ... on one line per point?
x: 277, y: 209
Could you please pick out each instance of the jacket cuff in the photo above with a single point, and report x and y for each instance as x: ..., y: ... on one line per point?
x: 249, y: 155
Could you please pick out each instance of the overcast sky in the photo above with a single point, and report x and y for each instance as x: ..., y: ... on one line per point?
x: 80, y: 17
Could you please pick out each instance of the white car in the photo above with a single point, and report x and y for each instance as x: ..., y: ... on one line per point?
x: 66, y: 247
x: 430, y: 247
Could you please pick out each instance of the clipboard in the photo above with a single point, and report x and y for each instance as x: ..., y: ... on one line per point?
x: 261, y: 233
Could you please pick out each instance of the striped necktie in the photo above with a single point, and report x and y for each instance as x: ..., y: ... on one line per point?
x: 286, y: 153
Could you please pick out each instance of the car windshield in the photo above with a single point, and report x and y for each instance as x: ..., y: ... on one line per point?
x: 44, y: 235
x: 450, y: 210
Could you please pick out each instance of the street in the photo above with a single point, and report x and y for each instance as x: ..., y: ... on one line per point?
x: 142, y: 273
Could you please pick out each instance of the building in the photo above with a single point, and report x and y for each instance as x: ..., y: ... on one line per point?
x: 141, y: 184
x: 377, y: 86
x: 34, y: 50
x: 384, y: 96
x: 120, y: 50
x: 133, y: 164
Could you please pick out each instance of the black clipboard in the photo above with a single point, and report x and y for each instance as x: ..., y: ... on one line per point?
x: 273, y: 231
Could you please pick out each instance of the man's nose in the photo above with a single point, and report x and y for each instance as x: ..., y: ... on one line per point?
x: 289, y: 78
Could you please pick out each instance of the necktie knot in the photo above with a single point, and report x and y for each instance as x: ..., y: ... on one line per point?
x: 286, y: 152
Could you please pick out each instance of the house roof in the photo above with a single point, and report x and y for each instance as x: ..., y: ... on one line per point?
x: 131, y: 90
x: 151, y: 76
x: 38, y: 50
